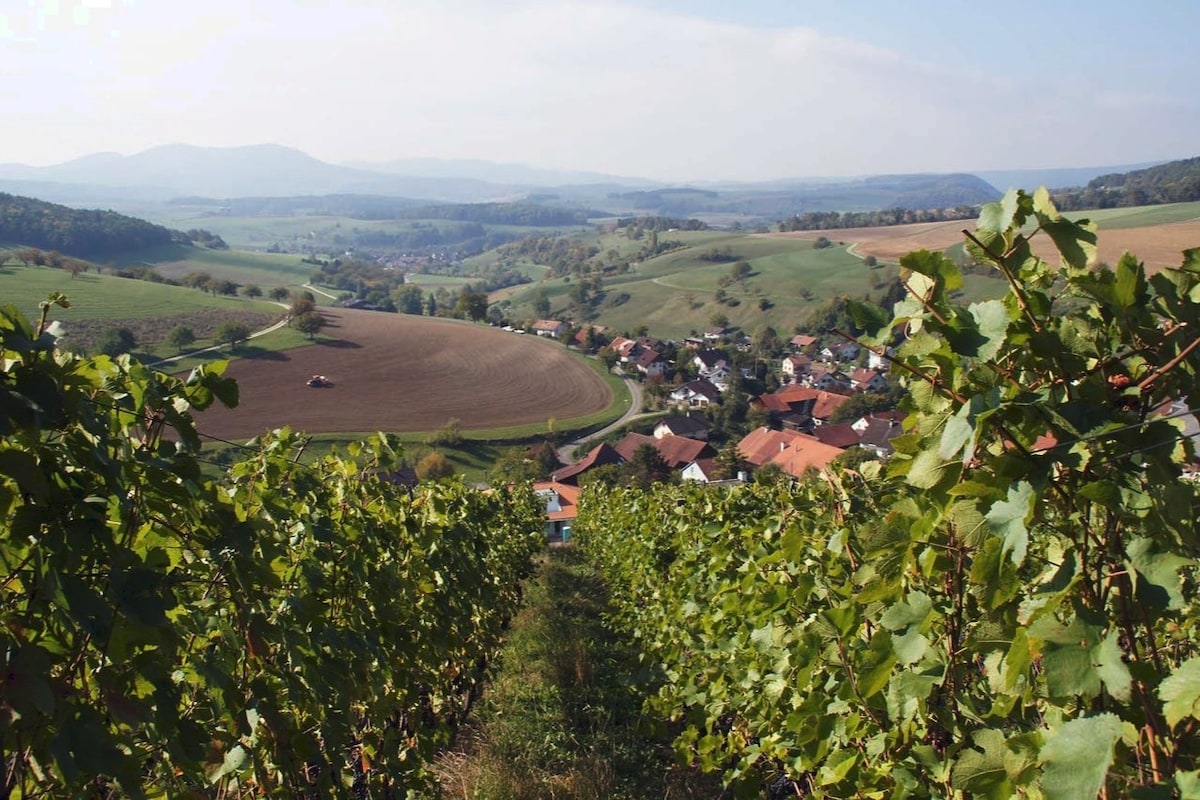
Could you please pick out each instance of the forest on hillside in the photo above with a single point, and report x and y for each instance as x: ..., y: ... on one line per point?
x: 1174, y: 182
x: 82, y: 232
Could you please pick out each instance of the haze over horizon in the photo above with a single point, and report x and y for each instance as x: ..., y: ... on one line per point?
x: 674, y: 90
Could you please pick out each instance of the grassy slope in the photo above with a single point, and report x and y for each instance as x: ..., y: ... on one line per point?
x: 105, y: 297
x: 265, y: 269
x: 1140, y: 217
x: 673, y: 293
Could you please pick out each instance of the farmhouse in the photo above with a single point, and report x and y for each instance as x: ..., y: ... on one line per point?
x: 562, y: 506
x: 802, y: 342
x: 550, y: 327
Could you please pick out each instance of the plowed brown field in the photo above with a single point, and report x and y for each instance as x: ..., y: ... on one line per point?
x: 397, y: 373
x: 1157, y: 245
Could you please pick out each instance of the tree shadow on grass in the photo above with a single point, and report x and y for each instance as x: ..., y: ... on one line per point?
x: 259, y: 353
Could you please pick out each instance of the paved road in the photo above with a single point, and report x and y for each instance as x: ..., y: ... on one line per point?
x: 567, y: 451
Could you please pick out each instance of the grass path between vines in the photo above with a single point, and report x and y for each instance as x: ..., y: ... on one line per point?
x: 561, y: 714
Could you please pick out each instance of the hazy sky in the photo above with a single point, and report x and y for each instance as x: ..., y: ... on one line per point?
x: 668, y: 89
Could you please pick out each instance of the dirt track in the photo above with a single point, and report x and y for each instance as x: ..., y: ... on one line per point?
x: 395, y: 373
x: 1157, y: 245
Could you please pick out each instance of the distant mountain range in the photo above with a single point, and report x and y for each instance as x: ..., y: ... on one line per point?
x: 171, y: 171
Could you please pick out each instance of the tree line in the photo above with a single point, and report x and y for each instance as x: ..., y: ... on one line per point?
x: 523, y: 214
x: 830, y: 220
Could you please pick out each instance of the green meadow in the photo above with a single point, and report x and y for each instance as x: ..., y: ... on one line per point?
x: 241, y: 266
x: 675, y: 293
x: 104, y: 297
x: 1110, y: 219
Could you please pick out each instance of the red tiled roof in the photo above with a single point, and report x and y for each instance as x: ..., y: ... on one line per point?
x: 802, y: 453
x: 599, y: 455
x: 568, y: 499
x: 676, y: 451
x: 841, y: 435
x: 646, y: 358
x: 826, y: 404
x: 762, y: 444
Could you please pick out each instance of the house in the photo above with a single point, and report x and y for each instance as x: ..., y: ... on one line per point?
x: 650, y: 343
x: 648, y: 362
x: 719, y: 377
x: 693, y: 342
x: 597, y: 331
x: 760, y: 445
x: 676, y: 451
x: 879, y: 360
x: 600, y: 455
x: 716, y: 334
x: 709, y: 361
x: 868, y: 380
x: 796, y: 367
x: 699, y: 393
x: 824, y: 406
x: 553, y: 328
x: 804, y: 453
x: 878, y: 433
x: 687, y: 426
x: 802, y: 343
x: 626, y: 349
x: 830, y: 381
x: 799, y: 407
x: 848, y: 352
x: 702, y: 470
x: 562, y: 506
x: 841, y: 435
x: 894, y: 415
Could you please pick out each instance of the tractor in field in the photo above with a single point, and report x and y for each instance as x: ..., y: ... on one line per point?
x: 319, y: 382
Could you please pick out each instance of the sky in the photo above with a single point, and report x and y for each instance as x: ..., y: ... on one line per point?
x: 674, y: 90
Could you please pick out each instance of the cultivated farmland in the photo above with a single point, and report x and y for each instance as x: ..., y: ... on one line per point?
x: 1156, y: 234
x: 400, y: 373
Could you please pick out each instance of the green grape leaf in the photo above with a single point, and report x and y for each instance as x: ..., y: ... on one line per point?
x: 1008, y: 520
x: 1180, y: 692
x: 981, y: 770
x: 905, y: 692
x: 1077, y: 755
x: 1159, y: 584
x: 1130, y: 290
x: 992, y: 319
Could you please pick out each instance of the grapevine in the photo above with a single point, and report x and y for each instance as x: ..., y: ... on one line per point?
x: 284, y: 629
x: 1006, y: 606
